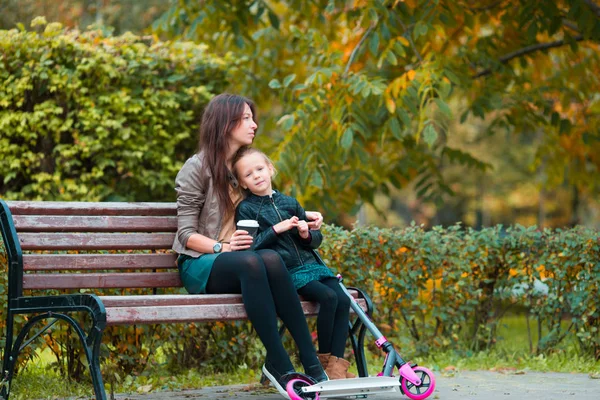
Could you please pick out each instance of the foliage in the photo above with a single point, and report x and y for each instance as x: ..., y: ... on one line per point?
x: 120, y: 15
x: 449, y: 288
x: 435, y: 291
x: 86, y: 116
x: 361, y: 91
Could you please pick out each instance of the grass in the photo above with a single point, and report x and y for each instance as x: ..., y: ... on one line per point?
x: 511, y: 353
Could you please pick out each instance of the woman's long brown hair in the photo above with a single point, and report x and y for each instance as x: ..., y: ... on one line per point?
x: 222, y: 114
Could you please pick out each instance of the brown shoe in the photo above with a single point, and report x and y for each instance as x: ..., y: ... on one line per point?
x: 337, y: 368
x: 324, y: 359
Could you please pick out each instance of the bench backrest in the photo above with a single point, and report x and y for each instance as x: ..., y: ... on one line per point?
x: 93, y: 245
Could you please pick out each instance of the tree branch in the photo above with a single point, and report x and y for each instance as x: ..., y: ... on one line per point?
x: 356, y: 48
x: 595, y: 7
x: 488, y: 7
x: 526, y: 50
x: 410, y: 40
x: 571, y: 25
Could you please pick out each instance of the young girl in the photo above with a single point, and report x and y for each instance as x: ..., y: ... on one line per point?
x: 283, y: 228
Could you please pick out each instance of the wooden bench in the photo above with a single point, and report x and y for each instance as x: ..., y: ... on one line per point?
x: 119, y: 246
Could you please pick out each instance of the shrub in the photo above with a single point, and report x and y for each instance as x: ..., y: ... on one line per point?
x: 89, y: 116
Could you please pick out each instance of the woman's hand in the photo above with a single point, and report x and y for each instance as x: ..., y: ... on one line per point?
x: 315, y: 220
x: 240, y: 240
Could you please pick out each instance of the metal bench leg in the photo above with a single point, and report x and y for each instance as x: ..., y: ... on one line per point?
x: 8, y: 364
x: 90, y: 343
x: 92, y: 351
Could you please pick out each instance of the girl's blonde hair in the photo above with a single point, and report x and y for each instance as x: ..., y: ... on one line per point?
x: 245, y: 151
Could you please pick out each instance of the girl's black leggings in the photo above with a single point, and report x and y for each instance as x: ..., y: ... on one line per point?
x: 267, y: 292
x: 332, y: 322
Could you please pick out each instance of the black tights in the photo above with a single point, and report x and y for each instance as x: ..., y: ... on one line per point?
x: 267, y: 292
x: 332, y: 322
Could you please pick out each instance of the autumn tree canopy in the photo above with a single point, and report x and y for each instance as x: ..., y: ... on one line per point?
x: 358, y: 95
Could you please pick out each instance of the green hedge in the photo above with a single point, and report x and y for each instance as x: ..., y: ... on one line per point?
x: 89, y: 116
x: 433, y: 289
x: 450, y: 287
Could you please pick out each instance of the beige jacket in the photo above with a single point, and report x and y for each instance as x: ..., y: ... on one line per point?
x: 197, y: 204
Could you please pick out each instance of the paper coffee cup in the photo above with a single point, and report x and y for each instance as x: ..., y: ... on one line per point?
x: 249, y: 225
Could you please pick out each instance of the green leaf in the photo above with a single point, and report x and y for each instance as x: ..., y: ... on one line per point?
x: 420, y: 29
x: 452, y: 76
x: 274, y: 84
x: 175, y: 78
x: 403, y: 116
x: 288, y: 79
x: 347, y: 138
x: 316, y: 179
x: 443, y: 107
x: 286, y: 122
x: 274, y: 20
x: 391, y: 58
x: 399, y: 49
x: 395, y: 127
x: 429, y: 134
x: 374, y: 43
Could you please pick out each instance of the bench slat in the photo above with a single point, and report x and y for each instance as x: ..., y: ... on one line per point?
x: 102, y: 281
x: 90, y: 208
x: 178, y: 299
x: 95, y: 241
x: 170, y: 300
x: 83, y: 262
x: 184, y: 313
x: 44, y: 223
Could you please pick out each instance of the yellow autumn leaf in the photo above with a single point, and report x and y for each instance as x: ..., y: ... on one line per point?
x: 390, y: 104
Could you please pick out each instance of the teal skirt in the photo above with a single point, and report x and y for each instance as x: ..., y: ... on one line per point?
x: 194, y: 271
x: 303, y: 274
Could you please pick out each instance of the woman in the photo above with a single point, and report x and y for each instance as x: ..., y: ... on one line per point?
x: 210, y: 257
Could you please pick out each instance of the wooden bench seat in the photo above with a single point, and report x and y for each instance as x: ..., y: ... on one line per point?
x: 60, y: 251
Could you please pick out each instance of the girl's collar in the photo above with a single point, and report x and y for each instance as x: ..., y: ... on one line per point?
x: 274, y: 194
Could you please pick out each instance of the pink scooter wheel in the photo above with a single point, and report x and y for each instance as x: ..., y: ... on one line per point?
x: 423, y: 390
x: 294, y: 390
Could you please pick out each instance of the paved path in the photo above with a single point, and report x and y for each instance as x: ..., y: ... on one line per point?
x: 462, y: 385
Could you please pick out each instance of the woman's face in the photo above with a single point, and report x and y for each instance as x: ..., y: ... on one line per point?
x: 243, y: 133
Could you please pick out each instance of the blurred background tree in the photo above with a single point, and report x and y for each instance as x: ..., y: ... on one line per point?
x: 439, y: 111
x: 121, y: 15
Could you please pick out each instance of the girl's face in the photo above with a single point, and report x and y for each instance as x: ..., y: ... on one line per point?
x: 243, y: 133
x: 254, y: 173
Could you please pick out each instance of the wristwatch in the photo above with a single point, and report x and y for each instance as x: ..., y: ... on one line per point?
x: 218, y: 247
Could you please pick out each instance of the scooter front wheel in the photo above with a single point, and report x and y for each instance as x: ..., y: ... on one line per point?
x: 294, y: 390
x: 422, y: 391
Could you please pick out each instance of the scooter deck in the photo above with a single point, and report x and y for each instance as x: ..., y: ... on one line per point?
x: 355, y: 387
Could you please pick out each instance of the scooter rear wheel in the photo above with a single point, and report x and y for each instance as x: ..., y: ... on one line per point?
x: 294, y: 390
x: 422, y: 391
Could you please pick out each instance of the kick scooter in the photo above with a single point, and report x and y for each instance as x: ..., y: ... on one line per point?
x: 415, y: 382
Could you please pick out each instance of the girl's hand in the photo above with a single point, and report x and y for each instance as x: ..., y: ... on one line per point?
x: 303, y: 229
x: 286, y: 225
x: 316, y: 220
x: 240, y: 240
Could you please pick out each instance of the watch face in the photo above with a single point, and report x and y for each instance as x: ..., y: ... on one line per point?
x: 217, y: 247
